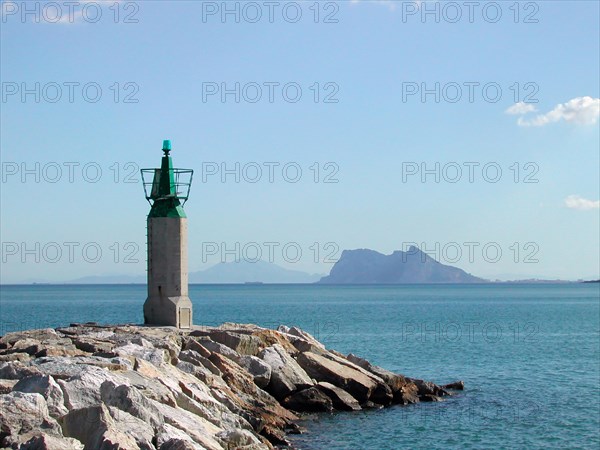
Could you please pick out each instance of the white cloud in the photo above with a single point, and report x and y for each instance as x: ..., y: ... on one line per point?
x: 520, y: 109
x: 580, y: 111
x: 580, y: 203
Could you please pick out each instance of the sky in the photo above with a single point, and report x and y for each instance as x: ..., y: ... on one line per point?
x: 469, y: 130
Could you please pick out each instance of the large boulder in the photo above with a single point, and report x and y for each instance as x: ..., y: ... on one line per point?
x: 286, y: 375
x: 128, y: 399
x: 43, y: 441
x: 256, y: 367
x: 404, y: 390
x: 83, y: 389
x: 23, y: 415
x: 48, y: 388
x: 96, y: 429
x: 243, y: 344
x: 310, y: 399
x: 341, y: 399
x: 351, y: 380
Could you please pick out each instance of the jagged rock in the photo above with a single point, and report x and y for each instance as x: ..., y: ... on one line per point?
x: 427, y: 388
x: 7, y: 385
x: 23, y: 357
x: 128, y: 399
x: 341, y: 399
x: 197, y: 359
x: 309, y: 400
x: 286, y: 375
x: 240, y: 439
x: 404, y: 391
x: 44, y: 334
x: 90, y: 345
x: 221, y: 349
x: 156, y: 356
x: 96, y: 429
x: 63, y: 368
x: 260, y: 370
x: 22, y: 415
x: 243, y: 344
x: 354, y: 382
x: 16, y: 370
x: 171, y: 438
x: 150, y: 387
x: 382, y: 394
x: 159, y: 388
x: 142, y: 433
x: 455, y: 386
x: 199, y: 429
x: 83, y: 389
x: 269, y: 338
x: 193, y: 344
x: 180, y: 444
x: 44, y: 441
x: 48, y: 388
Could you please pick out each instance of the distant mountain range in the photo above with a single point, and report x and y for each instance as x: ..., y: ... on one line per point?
x: 365, y: 266
x: 362, y: 266
x: 223, y: 273
x: 251, y: 272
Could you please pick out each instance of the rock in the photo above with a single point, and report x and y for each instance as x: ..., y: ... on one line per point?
x: 45, y: 334
x: 354, y: 382
x: 142, y: 433
x: 23, y: 357
x: 243, y: 344
x: 156, y: 356
x: 23, y: 415
x: 96, y: 429
x: 16, y: 370
x: 269, y: 338
x: 180, y: 444
x: 404, y: 391
x: 287, y: 375
x: 48, y: 388
x: 83, y: 389
x: 341, y: 400
x: 382, y: 394
x: 308, y: 400
x: 7, y: 385
x: 90, y: 345
x: 171, y: 438
x: 128, y: 399
x: 241, y: 439
x: 221, y: 349
x: 199, y: 429
x: 44, y: 441
x: 197, y: 359
x: 159, y: 388
x: 260, y: 370
x: 193, y: 344
x: 427, y: 388
x: 456, y: 386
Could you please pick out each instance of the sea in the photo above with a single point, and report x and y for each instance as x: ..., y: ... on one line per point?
x: 529, y: 354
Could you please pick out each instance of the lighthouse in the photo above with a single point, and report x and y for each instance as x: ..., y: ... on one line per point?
x: 167, y: 189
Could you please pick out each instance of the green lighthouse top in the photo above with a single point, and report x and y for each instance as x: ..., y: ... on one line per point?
x: 169, y: 188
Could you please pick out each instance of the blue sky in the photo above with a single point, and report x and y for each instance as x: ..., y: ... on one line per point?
x: 368, y: 130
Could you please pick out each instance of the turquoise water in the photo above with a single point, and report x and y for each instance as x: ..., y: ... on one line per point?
x: 529, y: 354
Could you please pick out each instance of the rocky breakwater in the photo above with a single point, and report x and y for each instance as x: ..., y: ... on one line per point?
x: 133, y: 387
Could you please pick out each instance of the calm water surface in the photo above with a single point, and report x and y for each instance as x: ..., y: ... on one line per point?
x: 529, y: 354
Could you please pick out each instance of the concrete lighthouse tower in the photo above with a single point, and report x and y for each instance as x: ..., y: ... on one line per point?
x: 167, y: 190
